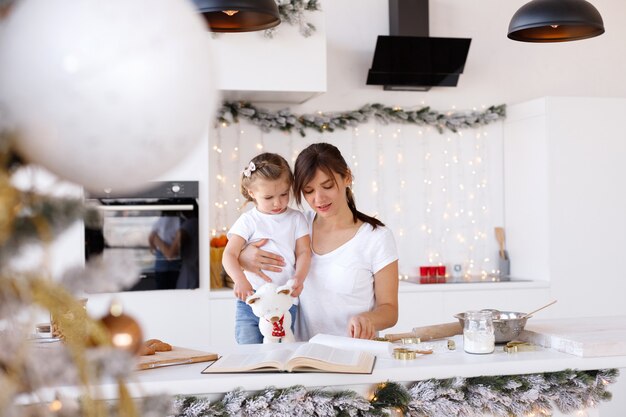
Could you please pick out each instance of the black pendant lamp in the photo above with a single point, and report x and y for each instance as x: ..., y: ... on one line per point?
x: 239, y: 15
x: 555, y: 21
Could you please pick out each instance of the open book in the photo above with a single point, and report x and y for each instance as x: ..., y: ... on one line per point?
x: 309, y: 357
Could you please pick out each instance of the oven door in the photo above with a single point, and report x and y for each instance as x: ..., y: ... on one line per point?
x: 161, y: 238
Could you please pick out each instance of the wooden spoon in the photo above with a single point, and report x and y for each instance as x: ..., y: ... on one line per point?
x: 534, y: 311
x: 500, y: 239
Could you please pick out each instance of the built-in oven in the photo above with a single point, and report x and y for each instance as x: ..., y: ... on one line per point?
x: 157, y: 228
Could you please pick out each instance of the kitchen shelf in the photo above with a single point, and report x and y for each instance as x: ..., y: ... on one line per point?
x: 411, y: 287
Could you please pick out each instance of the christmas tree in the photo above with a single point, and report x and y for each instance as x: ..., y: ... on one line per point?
x: 30, y: 371
x: 89, y: 93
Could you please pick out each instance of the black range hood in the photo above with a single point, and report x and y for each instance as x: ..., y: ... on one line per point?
x: 410, y: 60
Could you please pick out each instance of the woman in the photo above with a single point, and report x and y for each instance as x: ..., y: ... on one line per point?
x: 352, y: 286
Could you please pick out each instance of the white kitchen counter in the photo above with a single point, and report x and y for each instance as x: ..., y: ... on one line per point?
x: 443, y: 364
x: 187, y: 379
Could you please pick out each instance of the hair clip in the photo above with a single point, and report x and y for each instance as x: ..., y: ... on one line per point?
x: 249, y: 170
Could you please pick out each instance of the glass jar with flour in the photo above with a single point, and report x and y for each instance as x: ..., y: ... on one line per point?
x: 478, y: 332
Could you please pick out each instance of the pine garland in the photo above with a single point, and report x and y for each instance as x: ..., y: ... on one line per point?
x: 510, y: 396
x: 292, y: 12
x: 287, y: 121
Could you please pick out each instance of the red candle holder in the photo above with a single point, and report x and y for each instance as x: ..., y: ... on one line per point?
x: 432, y: 274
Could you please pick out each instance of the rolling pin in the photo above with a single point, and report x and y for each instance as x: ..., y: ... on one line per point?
x: 436, y: 331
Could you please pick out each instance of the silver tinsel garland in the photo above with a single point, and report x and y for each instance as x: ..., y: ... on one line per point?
x: 28, y: 220
x: 285, y: 120
x: 506, y: 396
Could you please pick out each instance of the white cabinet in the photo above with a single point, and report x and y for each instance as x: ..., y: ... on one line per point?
x: 222, y: 323
x: 418, y: 309
x: 564, y: 177
x: 288, y: 68
x: 438, y: 303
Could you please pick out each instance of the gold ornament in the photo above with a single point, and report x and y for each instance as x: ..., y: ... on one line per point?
x: 123, y: 330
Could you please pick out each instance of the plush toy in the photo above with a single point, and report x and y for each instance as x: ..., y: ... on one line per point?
x: 271, y: 305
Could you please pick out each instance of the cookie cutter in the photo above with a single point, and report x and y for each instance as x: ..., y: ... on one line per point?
x: 516, y: 346
x: 404, y: 354
x: 409, y: 354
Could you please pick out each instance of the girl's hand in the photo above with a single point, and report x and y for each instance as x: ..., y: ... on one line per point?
x: 297, y: 288
x: 254, y: 259
x: 361, y: 327
x: 242, y: 290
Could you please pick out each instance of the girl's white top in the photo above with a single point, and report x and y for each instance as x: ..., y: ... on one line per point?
x: 340, y: 283
x: 282, y: 230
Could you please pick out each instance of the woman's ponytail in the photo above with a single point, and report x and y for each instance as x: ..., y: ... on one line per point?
x: 372, y: 221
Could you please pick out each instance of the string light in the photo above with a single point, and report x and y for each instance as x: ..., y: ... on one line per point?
x: 446, y: 175
x: 55, y: 406
x: 379, y: 179
x: 221, y: 179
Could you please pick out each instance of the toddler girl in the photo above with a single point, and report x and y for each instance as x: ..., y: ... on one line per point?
x: 266, y: 182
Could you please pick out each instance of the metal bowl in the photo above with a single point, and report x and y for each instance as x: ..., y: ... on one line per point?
x: 507, y: 324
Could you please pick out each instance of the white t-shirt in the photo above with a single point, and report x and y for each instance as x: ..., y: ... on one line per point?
x: 340, y: 283
x: 282, y: 230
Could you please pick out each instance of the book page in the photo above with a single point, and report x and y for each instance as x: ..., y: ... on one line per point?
x: 328, y: 354
x: 239, y: 362
x: 313, y: 357
x: 378, y: 348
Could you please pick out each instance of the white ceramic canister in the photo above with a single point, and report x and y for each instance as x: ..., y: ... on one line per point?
x: 478, y: 332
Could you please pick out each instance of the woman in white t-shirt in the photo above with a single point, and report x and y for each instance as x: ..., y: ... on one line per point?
x: 352, y: 285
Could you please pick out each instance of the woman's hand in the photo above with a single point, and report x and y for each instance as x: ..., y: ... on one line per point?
x: 361, y: 327
x: 254, y: 259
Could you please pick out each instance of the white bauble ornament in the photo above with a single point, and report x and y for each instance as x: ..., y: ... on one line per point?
x: 106, y: 93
